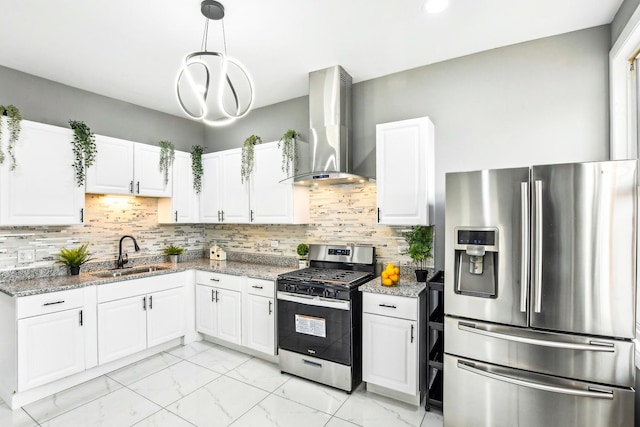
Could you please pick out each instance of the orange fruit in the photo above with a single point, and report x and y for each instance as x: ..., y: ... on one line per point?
x: 387, y: 282
x: 394, y: 278
x: 396, y: 271
x: 385, y: 274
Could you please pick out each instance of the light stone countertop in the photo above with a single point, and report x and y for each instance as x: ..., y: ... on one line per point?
x: 407, y: 287
x: 21, y: 288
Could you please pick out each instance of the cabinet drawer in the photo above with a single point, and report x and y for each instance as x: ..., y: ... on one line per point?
x: 390, y: 305
x: 224, y: 281
x: 52, y: 302
x: 265, y: 288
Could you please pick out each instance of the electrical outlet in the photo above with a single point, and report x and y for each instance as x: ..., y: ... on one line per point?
x: 274, y: 243
x: 26, y: 256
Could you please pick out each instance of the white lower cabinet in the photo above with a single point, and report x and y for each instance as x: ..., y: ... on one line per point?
x: 391, y: 346
x: 237, y: 309
x: 129, y: 323
x: 259, y: 312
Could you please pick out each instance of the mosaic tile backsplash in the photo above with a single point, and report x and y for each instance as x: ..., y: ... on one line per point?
x: 339, y: 214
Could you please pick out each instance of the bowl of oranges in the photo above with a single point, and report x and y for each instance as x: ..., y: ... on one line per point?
x: 390, y: 275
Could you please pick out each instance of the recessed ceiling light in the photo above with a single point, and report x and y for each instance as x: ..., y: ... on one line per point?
x: 435, y: 6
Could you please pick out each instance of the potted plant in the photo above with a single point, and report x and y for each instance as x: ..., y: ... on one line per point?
x: 247, y: 156
x: 289, y: 150
x: 13, y: 123
x: 167, y: 156
x: 196, y: 167
x: 174, y: 252
x: 84, y: 149
x: 302, y: 250
x: 74, y: 258
x: 420, y: 240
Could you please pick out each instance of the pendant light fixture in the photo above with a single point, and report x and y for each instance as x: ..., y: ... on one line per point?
x: 212, y: 86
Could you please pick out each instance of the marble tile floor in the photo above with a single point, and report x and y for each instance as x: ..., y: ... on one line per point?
x: 203, y: 384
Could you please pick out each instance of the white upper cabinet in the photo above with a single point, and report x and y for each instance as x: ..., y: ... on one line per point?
x: 211, y: 190
x: 260, y: 199
x: 183, y: 206
x: 126, y: 167
x: 271, y: 201
x: 42, y: 189
x: 405, y: 172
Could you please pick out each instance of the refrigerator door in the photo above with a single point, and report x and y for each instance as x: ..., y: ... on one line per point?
x: 583, y: 234
x: 489, y: 207
x: 483, y: 395
x: 594, y: 359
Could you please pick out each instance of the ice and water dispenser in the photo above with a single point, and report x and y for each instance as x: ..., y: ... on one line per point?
x: 476, y: 269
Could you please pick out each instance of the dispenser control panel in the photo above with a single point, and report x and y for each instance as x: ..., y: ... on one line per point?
x: 477, y: 237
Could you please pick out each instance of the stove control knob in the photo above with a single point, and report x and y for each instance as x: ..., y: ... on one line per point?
x: 335, y: 294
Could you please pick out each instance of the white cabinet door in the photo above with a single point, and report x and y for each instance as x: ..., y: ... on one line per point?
x: 390, y: 352
x: 205, y: 310
x: 271, y: 201
x: 50, y: 347
x: 211, y: 190
x: 165, y: 316
x: 112, y: 171
x: 182, y: 207
x: 235, y: 194
x: 228, y: 315
x: 149, y: 180
x: 122, y: 328
x: 259, y: 326
x: 405, y: 172
x: 42, y: 189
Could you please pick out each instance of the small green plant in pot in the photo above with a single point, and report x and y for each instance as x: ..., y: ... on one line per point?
x: 174, y: 252
x: 302, y: 250
x: 74, y: 258
x: 420, y: 241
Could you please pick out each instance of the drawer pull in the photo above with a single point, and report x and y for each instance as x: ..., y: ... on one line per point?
x: 270, y: 303
x: 213, y: 297
x: 387, y: 305
x: 256, y: 287
x: 53, y: 303
x: 151, y: 303
x: 81, y: 322
x: 411, y: 333
x: 144, y: 303
x: 213, y: 279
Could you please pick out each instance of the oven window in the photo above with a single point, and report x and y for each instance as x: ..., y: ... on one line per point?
x: 321, y: 332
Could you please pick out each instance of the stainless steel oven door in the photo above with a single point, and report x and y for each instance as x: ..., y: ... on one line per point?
x: 315, y: 326
x: 479, y: 394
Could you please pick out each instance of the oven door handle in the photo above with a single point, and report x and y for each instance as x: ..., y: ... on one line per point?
x: 315, y: 301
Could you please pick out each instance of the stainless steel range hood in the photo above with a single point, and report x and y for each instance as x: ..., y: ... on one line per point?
x: 330, y: 158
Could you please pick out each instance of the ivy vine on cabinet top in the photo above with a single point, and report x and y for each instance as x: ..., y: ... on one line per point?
x: 14, y: 119
x: 84, y: 149
x: 196, y: 167
x: 167, y: 156
x: 289, y: 150
x: 246, y: 166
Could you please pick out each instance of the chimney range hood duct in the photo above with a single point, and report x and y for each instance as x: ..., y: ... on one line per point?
x: 330, y: 158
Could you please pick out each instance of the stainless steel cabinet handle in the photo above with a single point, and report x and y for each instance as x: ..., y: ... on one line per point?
x: 213, y: 298
x: 222, y: 213
x: 217, y: 296
x: 387, y: 305
x: 412, y: 333
x: 144, y: 303
x: 219, y: 216
x: 524, y: 251
x: 251, y: 216
x: 592, y: 392
x: 538, y: 256
x: 270, y: 304
x: 151, y: 302
x: 131, y: 187
x: 592, y: 346
x: 138, y: 187
x: 53, y: 303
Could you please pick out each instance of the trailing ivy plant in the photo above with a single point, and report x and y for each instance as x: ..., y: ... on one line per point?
x: 14, y: 120
x: 84, y: 149
x: 196, y: 167
x: 247, y: 156
x: 167, y: 156
x: 289, y: 150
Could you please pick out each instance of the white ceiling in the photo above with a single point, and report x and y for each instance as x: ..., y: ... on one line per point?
x: 131, y: 49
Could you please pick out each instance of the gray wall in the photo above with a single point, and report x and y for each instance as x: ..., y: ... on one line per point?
x: 622, y: 17
x: 543, y: 101
x: 49, y: 102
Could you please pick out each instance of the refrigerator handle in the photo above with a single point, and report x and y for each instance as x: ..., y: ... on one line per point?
x: 524, y: 238
x: 592, y: 346
x: 598, y: 393
x: 537, y: 279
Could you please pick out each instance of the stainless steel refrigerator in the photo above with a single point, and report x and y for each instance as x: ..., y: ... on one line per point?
x: 540, y: 273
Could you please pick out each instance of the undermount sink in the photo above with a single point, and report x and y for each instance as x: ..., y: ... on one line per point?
x: 117, y: 272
